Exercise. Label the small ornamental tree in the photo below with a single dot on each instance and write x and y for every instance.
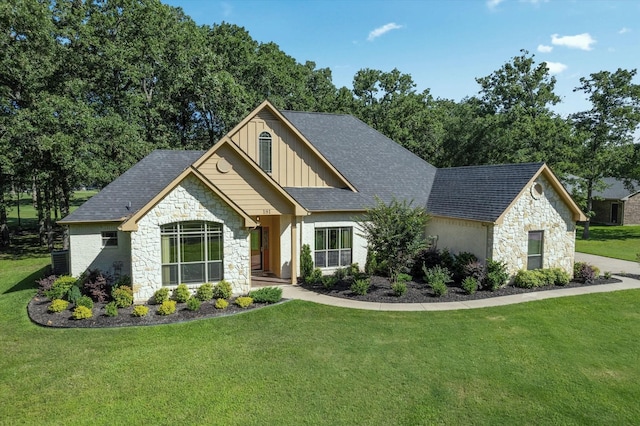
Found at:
(395, 233)
(306, 262)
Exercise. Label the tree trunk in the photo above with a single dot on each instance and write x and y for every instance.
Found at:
(64, 211)
(585, 231)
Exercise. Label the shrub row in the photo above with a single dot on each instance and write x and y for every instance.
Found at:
(541, 277)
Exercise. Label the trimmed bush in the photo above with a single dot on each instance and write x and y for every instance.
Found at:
(140, 311)
(58, 305)
(470, 285)
(123, 296)
(477, 270)
(361, 287)
(561, 278)
(437, 274)
(205, 292)
(111, 309)
(244, 301)
(403, 278)
(497, 275)
(82, 312)
(607, 275)
(96, 285)
(60, 287)
(352, 270)
(529, 279)
(221, 304)
(584, 272)
(161, 295)
(45, 284)
(329, 282)
(339, 274)
(181, 293)
(399, 288)
(306, 262)
(74, 294)
(439, 288)
(461, 261)
(168, 307)
(315, 277)
(84, 301)
(267, 295)
(222, 290)
(426, 258)
(193, 303)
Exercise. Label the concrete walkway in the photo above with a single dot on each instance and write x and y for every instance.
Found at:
(605, 264)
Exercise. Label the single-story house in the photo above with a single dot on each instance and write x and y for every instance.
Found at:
(282, 179)
(617, 203)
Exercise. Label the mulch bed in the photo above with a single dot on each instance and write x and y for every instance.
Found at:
(419, 292)
(37, 310)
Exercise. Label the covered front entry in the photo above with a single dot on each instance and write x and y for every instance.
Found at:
(265, 247)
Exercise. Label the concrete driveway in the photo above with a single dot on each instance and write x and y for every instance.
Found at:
(607, 264)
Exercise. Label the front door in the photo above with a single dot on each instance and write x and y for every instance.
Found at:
(614, 212)
(256, 249)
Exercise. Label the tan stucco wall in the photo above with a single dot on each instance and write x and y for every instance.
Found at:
(548, 213)
(85, 241)
(460, 235)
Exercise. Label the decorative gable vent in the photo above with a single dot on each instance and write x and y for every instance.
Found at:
(537, 190)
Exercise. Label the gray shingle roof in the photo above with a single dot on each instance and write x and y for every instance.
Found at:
(137, 186)
(374, 164)
(478, 192)
(617, 190)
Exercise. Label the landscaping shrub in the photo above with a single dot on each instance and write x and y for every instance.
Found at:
(476, 270)
(607, 275)
(82, 312)
(584, 273)
(181, 293)
(529, 279)
(111, 309)
(447, 260)
(168, 307)
(306, 262)
(315, 277)
(470, 285)
(352, 270)
(45, 284)
(461, 260)
(267, 295)
(361, 286)
(84, 301)
(123, 280)
(497, 275)
(339, 274)
(329, 281)
(140, 311)
(161, 295)
(244, 301)
(205, 292)
(548, 276)
(561, 277)
(437, 274)
(96, 285)
(58, 305)
(221, 304)
(123, 296)
(193, 303)
(74, 294)
(60, 287)
(439, 288)
(403, 278)
(425, 258)
(399, 288)
(371, 266)
(222, 290)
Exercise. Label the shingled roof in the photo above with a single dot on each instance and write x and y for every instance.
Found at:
(135, 187)
(374, 164)
(616, 189)
(479, 193)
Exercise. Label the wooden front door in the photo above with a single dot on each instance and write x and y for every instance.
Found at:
(256, 249)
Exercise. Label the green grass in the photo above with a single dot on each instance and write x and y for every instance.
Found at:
(28, 215)
(563, 361)
(619, 242)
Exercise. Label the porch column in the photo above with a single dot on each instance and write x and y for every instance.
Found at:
(294, 250)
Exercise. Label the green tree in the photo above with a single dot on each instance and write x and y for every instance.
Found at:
(395, 233)
(606, 130)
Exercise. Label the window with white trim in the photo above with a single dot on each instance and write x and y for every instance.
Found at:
(535, 249)
(109, 238)
(264, 151)
(333, 247)
(191, 252)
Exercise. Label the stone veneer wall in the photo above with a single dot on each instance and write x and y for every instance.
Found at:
(548, 213)
(632, 210)
(190, 200)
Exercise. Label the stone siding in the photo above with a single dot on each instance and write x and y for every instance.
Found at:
(632, 210)
(190, 200)
(548, 213)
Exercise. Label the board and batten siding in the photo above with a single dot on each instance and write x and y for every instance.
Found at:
(294, 164)
(85, 241)
(250, 191)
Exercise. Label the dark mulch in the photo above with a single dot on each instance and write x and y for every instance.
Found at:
(38, 313)
(419, 292)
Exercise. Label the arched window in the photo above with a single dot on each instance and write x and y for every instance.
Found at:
(191, 252)
(264, 151)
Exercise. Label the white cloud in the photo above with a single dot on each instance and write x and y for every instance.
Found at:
(383, 30)
(544, 49)
(555, 67)
(492, 4)
(624, 30)
(580, 41)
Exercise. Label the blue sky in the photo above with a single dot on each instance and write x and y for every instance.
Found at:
(443, 45)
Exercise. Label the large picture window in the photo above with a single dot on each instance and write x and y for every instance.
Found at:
(264, 151)
(333, 247)
(191, 252)
(535, 247)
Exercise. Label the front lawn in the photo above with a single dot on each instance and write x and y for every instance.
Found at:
(561, 361)
(619, 242)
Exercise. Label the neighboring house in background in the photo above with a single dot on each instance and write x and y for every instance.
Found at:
(617, 204)
(281, 179)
